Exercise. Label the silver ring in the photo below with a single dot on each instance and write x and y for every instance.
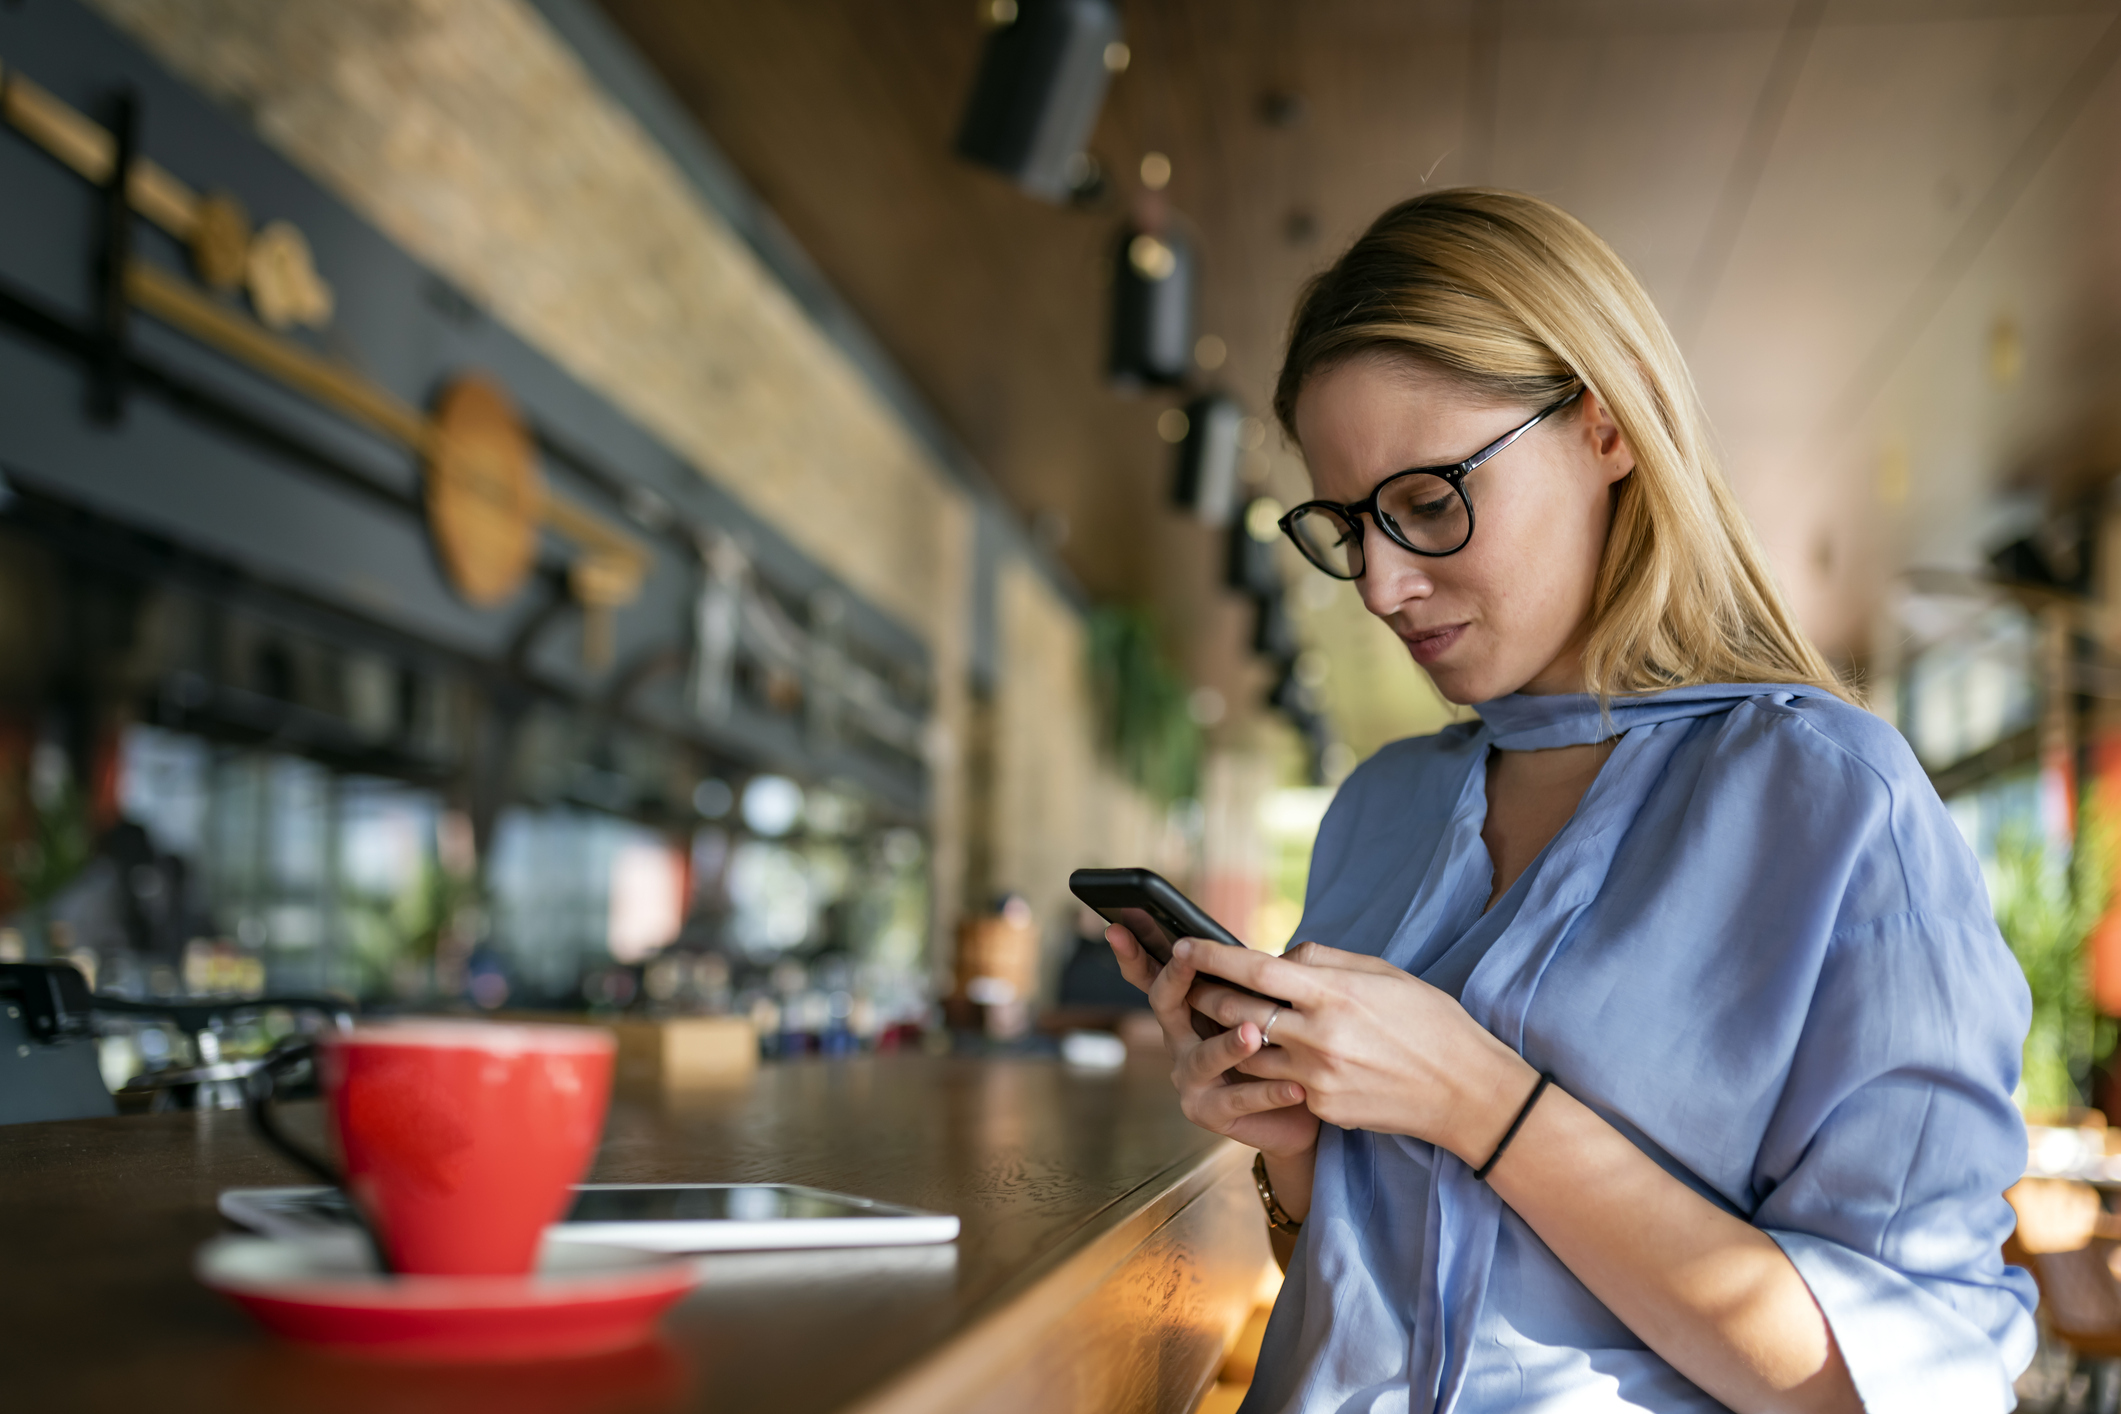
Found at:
(1268, 1029)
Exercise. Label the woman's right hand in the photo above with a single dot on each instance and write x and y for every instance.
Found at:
(1268, 1115)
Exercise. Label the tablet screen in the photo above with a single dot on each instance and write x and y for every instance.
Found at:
(308, 1209)
(734, 1202)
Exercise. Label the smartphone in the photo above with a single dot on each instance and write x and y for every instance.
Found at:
(1150, 907)
(656, 1217)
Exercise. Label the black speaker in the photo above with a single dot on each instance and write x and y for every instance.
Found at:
(1206, 483)
(1152, 308)
(1041, 81)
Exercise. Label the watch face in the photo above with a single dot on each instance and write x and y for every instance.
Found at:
(1277, 1216)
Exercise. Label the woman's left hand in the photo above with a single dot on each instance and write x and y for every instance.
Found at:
(1374, 1047)
(1377, 1049)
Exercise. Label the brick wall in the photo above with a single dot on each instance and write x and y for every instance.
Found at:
(471, 134)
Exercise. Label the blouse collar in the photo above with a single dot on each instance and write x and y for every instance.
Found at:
(1528, 722)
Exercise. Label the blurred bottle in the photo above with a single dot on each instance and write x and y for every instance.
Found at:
(711, 983)
(997, 971)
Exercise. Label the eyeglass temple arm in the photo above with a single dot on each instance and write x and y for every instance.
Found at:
(1480, 458)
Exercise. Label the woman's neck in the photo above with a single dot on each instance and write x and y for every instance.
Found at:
(1564, 673)
(1531, 795)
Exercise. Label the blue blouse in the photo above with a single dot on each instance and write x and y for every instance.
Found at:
(1762, 951)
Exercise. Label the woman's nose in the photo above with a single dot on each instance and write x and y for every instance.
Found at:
(1391, 576)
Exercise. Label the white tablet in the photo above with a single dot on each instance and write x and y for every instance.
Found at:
(657, 1217)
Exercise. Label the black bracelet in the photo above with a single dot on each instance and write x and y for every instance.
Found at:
(1516, 1124)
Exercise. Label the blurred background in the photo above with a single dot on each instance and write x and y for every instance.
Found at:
(717, 508)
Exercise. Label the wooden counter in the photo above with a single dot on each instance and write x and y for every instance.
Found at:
(1108, 1250)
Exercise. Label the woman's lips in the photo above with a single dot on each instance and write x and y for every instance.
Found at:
(1430, 644)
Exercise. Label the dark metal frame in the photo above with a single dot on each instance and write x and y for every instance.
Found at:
(1454, 475)
(49, 1006)
(207, 415)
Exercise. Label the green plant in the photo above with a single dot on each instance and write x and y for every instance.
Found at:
(57, 849)
(2046, 908)
(385, 930)
(46, 838)
(1143, 715)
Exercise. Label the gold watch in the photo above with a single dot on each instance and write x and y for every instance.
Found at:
(1277, 1216)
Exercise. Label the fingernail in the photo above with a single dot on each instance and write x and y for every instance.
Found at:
(1291, 1093)
(1181, 948)
(1249, 1034)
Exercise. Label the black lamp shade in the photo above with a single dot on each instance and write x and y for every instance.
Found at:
(1041, 81)
(1152, 309)
(1206, 483)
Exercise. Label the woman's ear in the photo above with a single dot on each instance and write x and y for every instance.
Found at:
(1602, 436)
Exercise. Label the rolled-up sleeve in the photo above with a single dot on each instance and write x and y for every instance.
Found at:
(1882, 1172)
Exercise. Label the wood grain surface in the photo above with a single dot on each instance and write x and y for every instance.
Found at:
(1108, 1250)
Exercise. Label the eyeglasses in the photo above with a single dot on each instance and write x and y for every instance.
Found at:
(1424, 509)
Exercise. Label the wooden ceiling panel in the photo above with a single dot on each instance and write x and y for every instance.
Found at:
(1637, 115)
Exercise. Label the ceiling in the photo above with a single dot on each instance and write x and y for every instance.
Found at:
(1880, 228)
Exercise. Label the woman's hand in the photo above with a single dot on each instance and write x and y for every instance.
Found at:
(1372, 1047)
(1267, 1115)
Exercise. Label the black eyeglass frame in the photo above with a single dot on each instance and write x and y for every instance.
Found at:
(1455, 475)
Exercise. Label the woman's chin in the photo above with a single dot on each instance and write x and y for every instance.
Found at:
(1466, 676)
(1457, 686)
(1470, 684)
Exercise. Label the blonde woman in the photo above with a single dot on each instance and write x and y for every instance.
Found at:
(1651, 1046)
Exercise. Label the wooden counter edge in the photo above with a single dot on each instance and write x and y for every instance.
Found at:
(957, 1373)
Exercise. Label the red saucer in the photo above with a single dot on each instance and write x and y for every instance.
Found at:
(583, 1299)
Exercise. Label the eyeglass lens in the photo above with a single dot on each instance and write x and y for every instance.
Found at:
(1426, 512)
(1421, 511)
(1328, 541)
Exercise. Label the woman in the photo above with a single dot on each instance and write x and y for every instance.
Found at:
(1652, 1047)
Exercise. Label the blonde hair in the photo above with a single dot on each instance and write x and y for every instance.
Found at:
(1516, 299)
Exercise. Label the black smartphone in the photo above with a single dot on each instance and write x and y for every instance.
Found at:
(1150, 907)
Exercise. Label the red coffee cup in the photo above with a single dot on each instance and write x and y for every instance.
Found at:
(461, 1140)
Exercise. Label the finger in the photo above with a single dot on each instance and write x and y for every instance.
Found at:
(1135, 964)
(1224, 1105)
(1205, 1063)
(1232, 1007)
(1319, 955)
(1293, 982)
(1167, 998)
(1268, 1063)
(1248, 1057)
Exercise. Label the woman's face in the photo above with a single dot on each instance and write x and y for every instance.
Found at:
(1510, 611)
